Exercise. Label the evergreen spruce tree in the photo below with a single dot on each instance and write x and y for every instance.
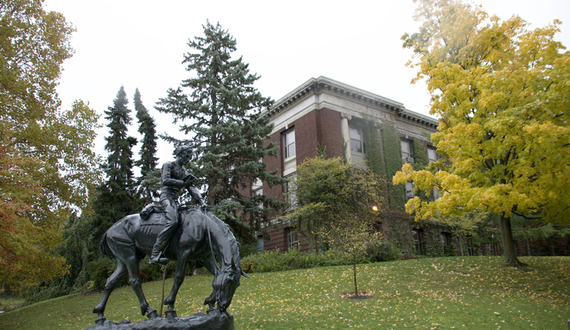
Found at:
(116, 196)
(149, 180)
(220, 117)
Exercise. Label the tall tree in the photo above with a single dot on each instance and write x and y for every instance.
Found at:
(149, 180)
(116, 196)
(229, 137)
(44, 146)
(501, 92)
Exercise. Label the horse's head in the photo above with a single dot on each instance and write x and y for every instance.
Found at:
(225, 284)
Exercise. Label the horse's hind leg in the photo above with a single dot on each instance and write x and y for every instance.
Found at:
(112, 282)
(132, 264)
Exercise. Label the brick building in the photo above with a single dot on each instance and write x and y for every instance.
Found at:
(326, 112)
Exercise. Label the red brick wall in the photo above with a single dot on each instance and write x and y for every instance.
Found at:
(306, 136)
(329, 132)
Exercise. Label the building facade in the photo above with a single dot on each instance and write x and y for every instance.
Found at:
(325, 112)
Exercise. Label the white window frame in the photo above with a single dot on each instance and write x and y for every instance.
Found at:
(406, 155)
(292, 238)
(289, 145)
(291, 190)
(355, 134)
(432, 159)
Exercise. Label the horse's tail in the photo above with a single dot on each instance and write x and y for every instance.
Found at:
(104, 246)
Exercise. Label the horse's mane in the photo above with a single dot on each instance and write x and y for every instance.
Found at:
(225, 228)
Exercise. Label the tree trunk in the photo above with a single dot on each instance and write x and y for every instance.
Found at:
(508, 243)
(354, 271)
(483, 245)
(460, 244)
(551, 246)
(528, 247)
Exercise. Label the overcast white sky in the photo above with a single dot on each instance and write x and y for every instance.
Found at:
(140, 44)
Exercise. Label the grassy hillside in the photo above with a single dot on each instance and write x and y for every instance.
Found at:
(434, 293)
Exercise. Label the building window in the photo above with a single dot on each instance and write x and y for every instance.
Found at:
(289, 143)
(356, 140)
(410, 190)
(260, 243)
(417, 236)
(445, 239)
(406, 151)
(258, 192)
(292, 238)
(291, 190)
(436, 194)
(432, 155)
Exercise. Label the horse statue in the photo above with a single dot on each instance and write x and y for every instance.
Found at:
(200, 237)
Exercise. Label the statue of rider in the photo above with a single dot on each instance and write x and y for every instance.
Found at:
(174, 178)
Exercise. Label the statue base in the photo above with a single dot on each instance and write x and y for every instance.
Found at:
(215, 320)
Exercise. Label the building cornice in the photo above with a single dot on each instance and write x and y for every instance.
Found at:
(317, 85)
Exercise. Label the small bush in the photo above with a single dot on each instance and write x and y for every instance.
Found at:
(385, 252)
(274, 260)
(100, 270)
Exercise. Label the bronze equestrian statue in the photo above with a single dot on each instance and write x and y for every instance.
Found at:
(198, 236)
(174, 178)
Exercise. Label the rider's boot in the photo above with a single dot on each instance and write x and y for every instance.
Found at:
(155, 257)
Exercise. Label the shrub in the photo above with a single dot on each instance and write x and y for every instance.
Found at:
(274, 260)
(385, 252)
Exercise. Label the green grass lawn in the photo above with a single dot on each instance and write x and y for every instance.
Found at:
(434, 293)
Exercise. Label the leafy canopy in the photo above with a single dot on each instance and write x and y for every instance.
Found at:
(329, 193)
(501, 92)
(49, 168)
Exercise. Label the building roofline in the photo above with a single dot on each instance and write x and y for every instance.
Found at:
(314, 84)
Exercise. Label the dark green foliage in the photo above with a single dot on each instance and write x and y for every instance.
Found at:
(385, 252)
(274, 261)
(374, 153)
(116, 196)
(149, 181)
(220, 115)
(396, 196)
(421, 160)
(396, 229)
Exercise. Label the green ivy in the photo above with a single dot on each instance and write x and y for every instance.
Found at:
(393, 160)
(421, 160)
(374, 149)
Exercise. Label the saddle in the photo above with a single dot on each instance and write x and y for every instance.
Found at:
(151, 208)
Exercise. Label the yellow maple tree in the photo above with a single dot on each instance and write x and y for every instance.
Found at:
(502, 94)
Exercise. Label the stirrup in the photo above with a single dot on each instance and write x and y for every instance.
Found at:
(158, 260)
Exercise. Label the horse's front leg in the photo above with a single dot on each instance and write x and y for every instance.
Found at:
(178, 280)
(211, 266)
(110, 285)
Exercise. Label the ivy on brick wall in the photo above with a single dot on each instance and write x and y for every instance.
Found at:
(383, 157)
(374, 149)
(393, 159)
(421, 160)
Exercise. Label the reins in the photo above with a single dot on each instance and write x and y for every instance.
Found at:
(210, 241)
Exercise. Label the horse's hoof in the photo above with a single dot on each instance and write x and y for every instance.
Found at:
(100, 319)
(152, 314)
(171, 313)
